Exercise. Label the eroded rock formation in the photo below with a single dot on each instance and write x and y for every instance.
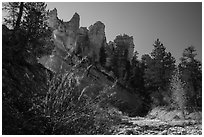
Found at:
(97, 38)
(82, 43)
(64, 37)
(124, 44)
(64, 33)
(69, 39)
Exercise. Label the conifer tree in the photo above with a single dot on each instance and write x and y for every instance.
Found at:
(31, 34)
(191, 71)
(136, 79)
(159, 66)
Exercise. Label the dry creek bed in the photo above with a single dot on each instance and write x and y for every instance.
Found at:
(148, 126)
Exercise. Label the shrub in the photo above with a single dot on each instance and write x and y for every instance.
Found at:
(70, 112)
(178, 95)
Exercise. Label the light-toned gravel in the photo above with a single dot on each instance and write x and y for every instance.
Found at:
(146, 126)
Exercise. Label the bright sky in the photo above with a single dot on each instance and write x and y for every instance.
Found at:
(177, 25)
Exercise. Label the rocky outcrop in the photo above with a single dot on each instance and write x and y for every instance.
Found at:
(64, 37)
(89, 42)
(53, 20)
(69, 39)
(125, 43)
(71, 29)
(64, 33)
(109, 51)
(82, 43)
(97, 38)
(119, 55)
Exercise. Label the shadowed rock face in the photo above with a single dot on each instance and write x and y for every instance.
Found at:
(82, 43)
(96, 36)
(71, 29)
(123, 43)
(89, 42)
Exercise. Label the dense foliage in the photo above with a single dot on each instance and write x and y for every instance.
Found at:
(191, 71)
(157, 72)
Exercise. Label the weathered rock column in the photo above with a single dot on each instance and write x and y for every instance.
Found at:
(64, 37)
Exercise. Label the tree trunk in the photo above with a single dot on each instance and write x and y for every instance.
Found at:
(19, 16)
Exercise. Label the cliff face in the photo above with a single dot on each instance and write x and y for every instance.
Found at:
(53, 21)
(82, 43)
(119, 55)
(69, 38)
(97, 38)
(125, 44)
(64, 37)
(71, 28)
(64, 33)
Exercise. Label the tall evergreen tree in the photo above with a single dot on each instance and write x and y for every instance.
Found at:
(192, 76)
(31, 34)
(37, 32)
(136, 79)
(159, 67)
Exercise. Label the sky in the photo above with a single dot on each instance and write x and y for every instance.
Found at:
(177, 25)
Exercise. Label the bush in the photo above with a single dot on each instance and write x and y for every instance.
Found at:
(58, 107)
(178, 95)
(71, 112)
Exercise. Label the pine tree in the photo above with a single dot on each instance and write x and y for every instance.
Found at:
(192, 76)
(159, 66)
(37, 32)
(136, 80)
(31, 34)
(158, 69)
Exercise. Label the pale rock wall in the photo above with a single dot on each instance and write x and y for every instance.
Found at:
(96, 36)
(64, 36)
(64, 33)
(82, 43)
(68, 36)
